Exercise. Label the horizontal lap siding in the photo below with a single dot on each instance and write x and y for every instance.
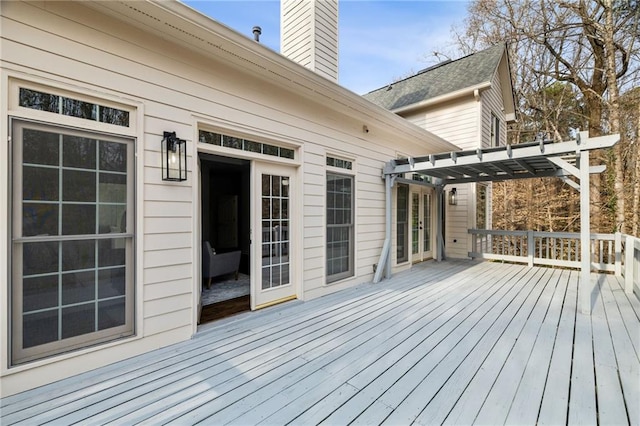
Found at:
(296, 38)
(326, 41)
(492, 103)
(458, 122)
(78, 48)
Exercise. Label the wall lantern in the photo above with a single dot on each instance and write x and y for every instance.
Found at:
(174, 157)
(453, 197)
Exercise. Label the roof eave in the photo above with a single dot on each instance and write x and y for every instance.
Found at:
(180, 23)
(467, 91)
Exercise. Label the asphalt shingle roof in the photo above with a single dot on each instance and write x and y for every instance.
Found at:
(443, 78)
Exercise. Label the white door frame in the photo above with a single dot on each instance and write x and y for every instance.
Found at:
(261, 298)
(418, 252)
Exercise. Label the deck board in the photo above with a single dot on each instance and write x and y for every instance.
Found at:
(611, 409)
(582, 398)
(528, 397)
(453, 342)
(555, 399)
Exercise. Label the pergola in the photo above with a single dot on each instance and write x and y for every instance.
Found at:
(568, 161)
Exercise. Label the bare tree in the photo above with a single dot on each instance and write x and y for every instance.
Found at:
(589, 45)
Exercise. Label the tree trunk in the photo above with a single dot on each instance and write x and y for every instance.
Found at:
(614, 114)
(636, 186)
(594, 108)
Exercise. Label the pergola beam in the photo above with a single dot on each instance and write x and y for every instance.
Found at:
(432, 162)
(495, 164)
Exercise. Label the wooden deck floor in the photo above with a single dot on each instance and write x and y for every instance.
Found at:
(450, 342)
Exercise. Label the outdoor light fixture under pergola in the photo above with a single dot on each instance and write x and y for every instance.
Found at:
(453, 197)
(174, 158)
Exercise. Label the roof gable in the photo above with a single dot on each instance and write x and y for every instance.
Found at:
(441, 79)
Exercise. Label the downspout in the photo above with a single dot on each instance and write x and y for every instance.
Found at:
(384, 263)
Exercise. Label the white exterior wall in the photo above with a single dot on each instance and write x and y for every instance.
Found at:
(492, 103)
(75, 49)
(465, 122)
(309, 34)
(459, 122)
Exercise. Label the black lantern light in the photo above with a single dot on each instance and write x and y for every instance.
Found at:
(453, 197)
(174, 157)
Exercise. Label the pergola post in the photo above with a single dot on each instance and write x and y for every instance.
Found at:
(585, 236)
(384, 263)
(439, 217)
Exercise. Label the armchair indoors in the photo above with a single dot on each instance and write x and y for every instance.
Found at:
(214, 265)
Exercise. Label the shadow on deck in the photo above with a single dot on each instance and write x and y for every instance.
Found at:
(453, 342)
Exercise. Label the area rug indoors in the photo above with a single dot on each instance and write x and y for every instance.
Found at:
(225, 288)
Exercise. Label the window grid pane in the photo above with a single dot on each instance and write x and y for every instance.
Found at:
(41, 101)
(415, 223)
(73, 287)
(275, 231)
(245, 145)
(402, 224)
(427, 222)
(339, 226)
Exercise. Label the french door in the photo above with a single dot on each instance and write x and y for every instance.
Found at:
(273, 223)
(421, 224)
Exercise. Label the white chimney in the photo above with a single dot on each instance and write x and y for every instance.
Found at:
(309, 34)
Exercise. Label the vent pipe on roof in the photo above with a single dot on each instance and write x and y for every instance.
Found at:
(256, 33)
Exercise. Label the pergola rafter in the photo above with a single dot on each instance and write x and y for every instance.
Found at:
(565, 160)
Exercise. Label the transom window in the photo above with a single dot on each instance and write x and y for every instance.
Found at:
(244, 144)
(339, 163)
(72, 239)
(56, 104)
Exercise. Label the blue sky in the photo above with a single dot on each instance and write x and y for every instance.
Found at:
(379, 40)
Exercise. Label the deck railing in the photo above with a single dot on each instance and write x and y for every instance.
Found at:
(617, 253)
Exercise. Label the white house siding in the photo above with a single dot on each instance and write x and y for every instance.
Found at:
(310, 34)
(492, 103)
(297, 31)
(71, 47)
(326, 43)
(457, 121)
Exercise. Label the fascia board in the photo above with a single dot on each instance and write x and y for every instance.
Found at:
(467, 91)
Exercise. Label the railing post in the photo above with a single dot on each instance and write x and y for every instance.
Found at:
(586, 286)
(628, 264)
(617, 248)
(531, 247)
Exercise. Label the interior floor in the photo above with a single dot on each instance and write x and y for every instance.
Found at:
(224, 309)
(225, 198)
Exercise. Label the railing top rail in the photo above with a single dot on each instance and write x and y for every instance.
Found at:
(542, 234)
(496, 232)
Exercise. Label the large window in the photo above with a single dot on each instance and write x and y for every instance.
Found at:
(402, 224)
(72, 239)
(340, 232)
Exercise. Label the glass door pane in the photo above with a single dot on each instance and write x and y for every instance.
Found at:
(415, 223)
(426, 246)
(275, 231)
(273, 221)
